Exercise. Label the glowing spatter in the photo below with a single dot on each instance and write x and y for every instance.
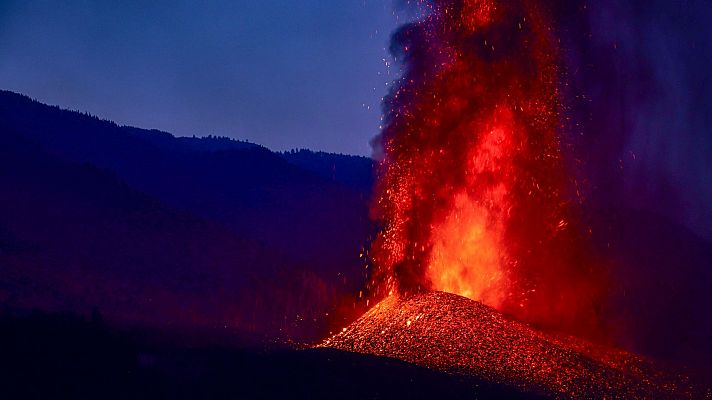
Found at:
(452, 334)
(471, 189)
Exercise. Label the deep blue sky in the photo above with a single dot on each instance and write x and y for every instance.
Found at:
(282, 73)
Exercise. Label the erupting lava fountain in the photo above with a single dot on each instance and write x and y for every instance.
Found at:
(475, 199)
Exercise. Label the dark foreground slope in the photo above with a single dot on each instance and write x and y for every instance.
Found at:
(63, 357)
(451, 333)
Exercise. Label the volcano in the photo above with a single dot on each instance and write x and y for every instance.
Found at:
(454, 334)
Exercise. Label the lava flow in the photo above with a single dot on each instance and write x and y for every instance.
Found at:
(472, 190)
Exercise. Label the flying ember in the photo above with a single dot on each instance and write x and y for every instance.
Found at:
(473, 192)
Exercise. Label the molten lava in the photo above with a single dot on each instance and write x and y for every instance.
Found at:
(472, 190)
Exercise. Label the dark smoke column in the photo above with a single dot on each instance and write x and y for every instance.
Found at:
(472, 191)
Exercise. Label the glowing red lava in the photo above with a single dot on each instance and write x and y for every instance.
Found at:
(472, 190)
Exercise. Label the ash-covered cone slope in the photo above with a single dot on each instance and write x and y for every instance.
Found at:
(454, 334)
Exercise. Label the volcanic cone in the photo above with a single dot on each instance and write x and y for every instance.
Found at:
(457, 335)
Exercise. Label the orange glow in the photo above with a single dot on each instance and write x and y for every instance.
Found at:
(472, 190)
(467, 254)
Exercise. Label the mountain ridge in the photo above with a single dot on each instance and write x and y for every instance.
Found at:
(91, 207)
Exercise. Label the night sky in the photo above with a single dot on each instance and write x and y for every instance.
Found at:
(281, 73)
(311, 74)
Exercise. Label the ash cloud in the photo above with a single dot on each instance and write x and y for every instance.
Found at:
(638, 100)
(645, 133)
